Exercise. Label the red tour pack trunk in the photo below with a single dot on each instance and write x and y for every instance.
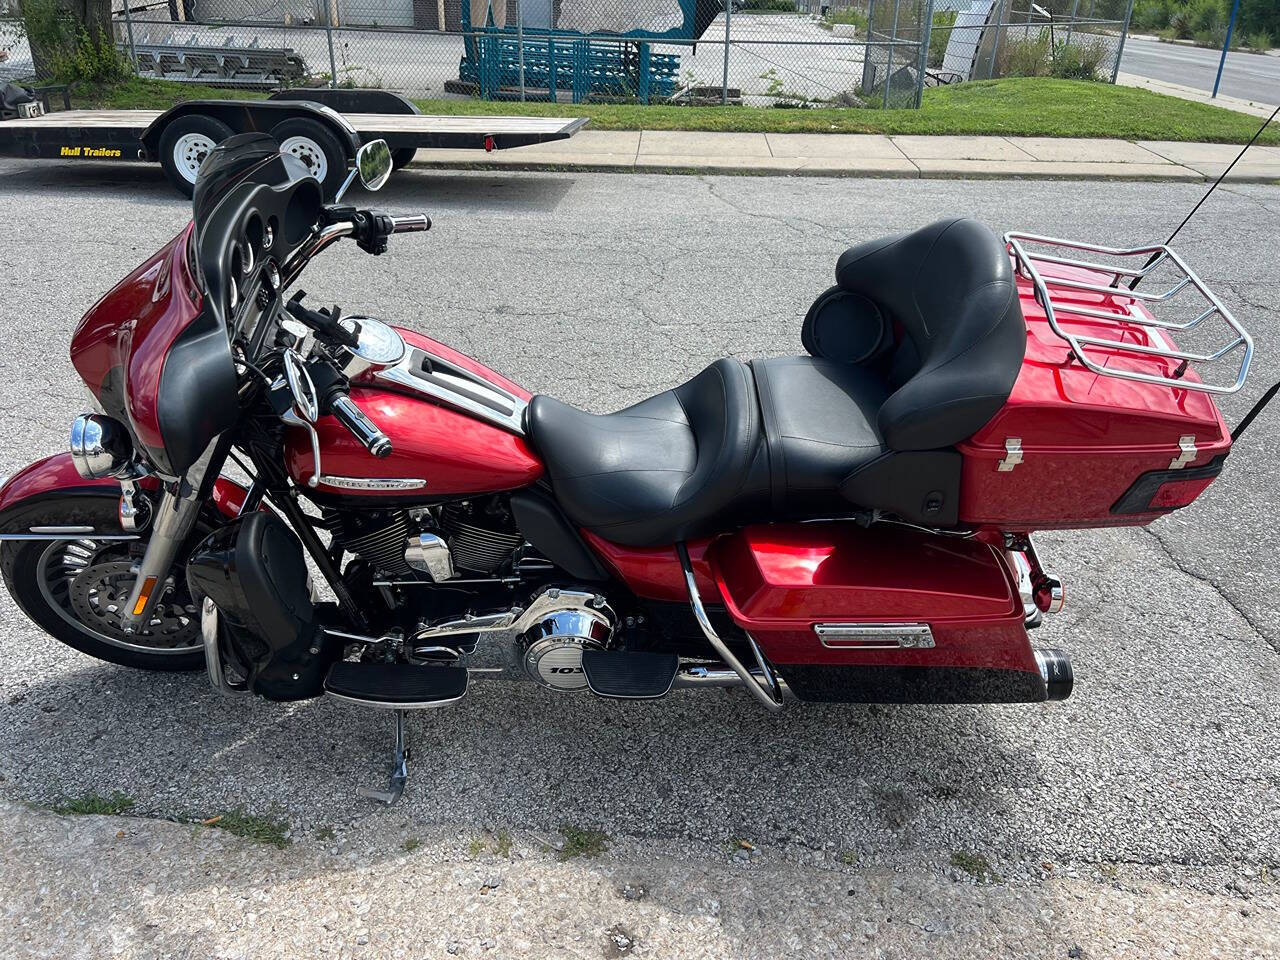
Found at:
(1110, 421)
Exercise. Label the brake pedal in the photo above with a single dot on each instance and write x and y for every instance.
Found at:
(629, 674)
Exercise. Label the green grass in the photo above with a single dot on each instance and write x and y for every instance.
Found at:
(139, 94)
(976, 865)
(580, 842)
(1039, 106)
(92, 804)
(1033, 107)
(252, 827)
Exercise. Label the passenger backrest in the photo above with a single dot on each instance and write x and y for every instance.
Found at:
(949, 288)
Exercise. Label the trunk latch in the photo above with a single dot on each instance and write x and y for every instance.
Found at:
(1012, 454)
(1188, 452)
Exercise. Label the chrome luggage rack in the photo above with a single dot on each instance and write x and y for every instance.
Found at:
(1038, 267)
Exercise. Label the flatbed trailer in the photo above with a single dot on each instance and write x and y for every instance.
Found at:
(305, 122)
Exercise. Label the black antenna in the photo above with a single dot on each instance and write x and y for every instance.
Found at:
(1208, 193)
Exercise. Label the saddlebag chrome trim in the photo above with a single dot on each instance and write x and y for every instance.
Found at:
(875, 636)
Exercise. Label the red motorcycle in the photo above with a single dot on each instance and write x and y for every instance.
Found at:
(851, 526)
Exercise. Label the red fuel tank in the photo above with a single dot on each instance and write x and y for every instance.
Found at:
(436, 451)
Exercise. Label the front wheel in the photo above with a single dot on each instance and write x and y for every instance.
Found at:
(77, 590)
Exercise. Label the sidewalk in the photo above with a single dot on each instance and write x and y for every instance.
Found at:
(870, 155)
(1183, 92)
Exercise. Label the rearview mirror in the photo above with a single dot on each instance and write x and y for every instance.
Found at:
(373, 163)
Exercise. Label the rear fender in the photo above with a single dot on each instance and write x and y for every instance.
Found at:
(22, 495)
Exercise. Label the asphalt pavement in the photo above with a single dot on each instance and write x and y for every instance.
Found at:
(601, 290)
(1250, 76)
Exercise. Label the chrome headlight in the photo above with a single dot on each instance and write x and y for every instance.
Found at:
(100, 446)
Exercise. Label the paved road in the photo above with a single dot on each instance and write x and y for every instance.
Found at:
(1247, 75)
(602, 289)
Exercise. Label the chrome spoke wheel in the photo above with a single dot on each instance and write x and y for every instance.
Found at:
(88, 585)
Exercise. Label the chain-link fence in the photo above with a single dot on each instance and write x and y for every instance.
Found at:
(1069, 39)
(772, 53)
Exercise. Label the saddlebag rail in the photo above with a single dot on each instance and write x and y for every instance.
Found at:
(1110, 327)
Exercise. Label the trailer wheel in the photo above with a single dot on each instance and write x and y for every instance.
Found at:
(184, 145)
(315, 146)
(402, 157)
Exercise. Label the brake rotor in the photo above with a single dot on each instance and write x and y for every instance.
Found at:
(99, 596)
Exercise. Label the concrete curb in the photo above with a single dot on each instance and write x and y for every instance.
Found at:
(1029, 172)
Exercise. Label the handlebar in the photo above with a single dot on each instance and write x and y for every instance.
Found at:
(362, 428)
(411, 224)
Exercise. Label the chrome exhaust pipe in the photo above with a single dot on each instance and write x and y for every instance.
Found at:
(696, 677)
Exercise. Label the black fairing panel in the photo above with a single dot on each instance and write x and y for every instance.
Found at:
(253, 570)
(197, 394)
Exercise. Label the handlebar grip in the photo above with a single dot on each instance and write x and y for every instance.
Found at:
(411, 224)
(361, 427)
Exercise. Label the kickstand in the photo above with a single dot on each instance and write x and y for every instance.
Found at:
(399, 769)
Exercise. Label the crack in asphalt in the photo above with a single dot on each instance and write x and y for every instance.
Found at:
(1254, 625)
(823, 229)
(1252, 199)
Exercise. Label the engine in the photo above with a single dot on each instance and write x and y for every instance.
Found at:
(474, 540)
(481, 536)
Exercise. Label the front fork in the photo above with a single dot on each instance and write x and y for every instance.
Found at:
(173, 519)
(175, 515)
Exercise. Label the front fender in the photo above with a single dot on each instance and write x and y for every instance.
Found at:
(56, 476)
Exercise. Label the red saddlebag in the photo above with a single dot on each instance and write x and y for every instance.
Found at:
(880, 615)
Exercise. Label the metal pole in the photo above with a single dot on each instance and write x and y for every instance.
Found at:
(1075, 7)
(893, 40)
(724, 83)
(1226, 45)
(995, 47)
(924, 51)
(328, 29)
(520, 43)
(1128, 16)
(128, 22)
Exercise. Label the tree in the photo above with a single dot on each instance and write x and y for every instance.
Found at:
(71, 39)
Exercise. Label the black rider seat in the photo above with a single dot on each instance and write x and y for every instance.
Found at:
(914, 350)
(658, 471)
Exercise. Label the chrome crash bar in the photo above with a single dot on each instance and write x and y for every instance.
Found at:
(766, 688)
(1040, 267)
